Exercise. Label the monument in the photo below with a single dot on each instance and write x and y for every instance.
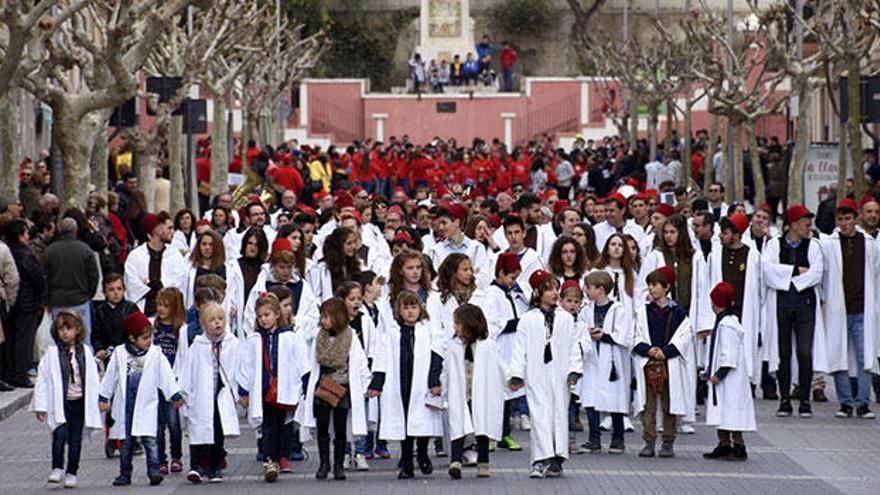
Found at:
(445, 29)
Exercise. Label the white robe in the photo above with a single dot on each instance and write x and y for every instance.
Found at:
(778, 277)
(157, 376)
(841, 353)
(137, 269)
(306, 316)
(440, 315)
(604, 230)
(197, 381)
(358, 380)
(485, 416)
(546, 384)
(236, 299)
(679, 385)
(49, 390)
(595, 388)
(321, 282)
(183, 246)
(291, 367)
(232, 241)
(530, 261)
(421, 421)
(735, 409)
(498, 311)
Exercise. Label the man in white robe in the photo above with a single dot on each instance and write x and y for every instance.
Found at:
(615, 222)
(154, 265)
(529, 260)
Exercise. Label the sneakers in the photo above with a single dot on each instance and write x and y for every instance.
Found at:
(56, 475)
(525, 424)
(686, 429)
(194, 476)
(591, 448)
(69, 480)
(864, 413)
(347, 462)
(156, 479)
(163, 468)
(455, 470)
(297, 456)
(383, 453)
(122, 480)
(647, 450)
(616, 447)
(215, 477)
(284, 465)
(575, 449)
(805, 411)
(110, 448)
(483, 470)
(666, 450)
(369, 455)
(554, 469)
(406, 473)
(605, 425)
(845, 411)
(785, 410)
(507, 442)
(360, 463)
(176, 466)
(719, 452)
(738, 454)
(628, 425)
(469, 458)
(426, 467)
(439, 449)
(270, 472)
(537, 470)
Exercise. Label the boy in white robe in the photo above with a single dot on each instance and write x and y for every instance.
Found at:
(729, 405)
(547, 361)
(137, 372)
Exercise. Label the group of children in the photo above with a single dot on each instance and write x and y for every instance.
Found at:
(387, 373)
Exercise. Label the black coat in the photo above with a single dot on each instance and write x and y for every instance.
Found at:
(32, 284)
(108, 328)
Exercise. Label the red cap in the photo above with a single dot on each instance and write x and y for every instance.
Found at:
(668, 273)
(398, 190)
(403, 237)
(867, 198)
(135, 323)
(307, 209)
(665, 209)
(149, 222)
(356, 190)
(344, 200)
(396, 210)
(538, 278)
(548, 194)
(640, 196)
(795, 213)
(740, 221)
(722, 295)
(494, 219)
(652, 193)
(320, 195)
(847, 204)
(456, 209)
(570, 284)
(352, 214)
(203, 221)
(616, 197)
(632, 181)
(282, 244)
(559, 206)
(764, 206)
(508, 263)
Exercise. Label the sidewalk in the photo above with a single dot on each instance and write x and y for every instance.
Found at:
(11, 402)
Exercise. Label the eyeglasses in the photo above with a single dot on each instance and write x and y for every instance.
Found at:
(714, 189)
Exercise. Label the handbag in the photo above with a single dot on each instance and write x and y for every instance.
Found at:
(272, 392)
(329, 391)
(656, 372)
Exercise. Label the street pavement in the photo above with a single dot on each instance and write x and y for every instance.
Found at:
(822, 455)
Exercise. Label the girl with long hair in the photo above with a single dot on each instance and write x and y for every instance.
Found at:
(585, 236)
(672, 248)
(455, 286)
(617, 261)
(567, 260)
(184, 239)
(338, 264)
(209, 256)
(409, 271)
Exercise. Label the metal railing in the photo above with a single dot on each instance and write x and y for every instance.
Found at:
(343, 124)
(562, 115)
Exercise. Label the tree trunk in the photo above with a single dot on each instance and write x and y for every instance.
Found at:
(147, 156)
(755, 161)
(9, 166)
(100, 157)
(175, 163)
(853, 124)
(737, 165)
(667, 137)
(219, 158)
(75, 137)
(265, 127)
(653, 122)
(709, 162)
(633, 120)
(801, 146)
(686, 150)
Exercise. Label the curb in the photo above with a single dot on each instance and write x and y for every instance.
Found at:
(22, 399)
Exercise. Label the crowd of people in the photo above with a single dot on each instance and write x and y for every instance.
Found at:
(432, 295)
(475, 69)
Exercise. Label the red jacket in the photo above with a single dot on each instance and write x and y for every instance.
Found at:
(508, 57)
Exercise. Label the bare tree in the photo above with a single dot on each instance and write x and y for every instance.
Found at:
(24, 25)
(89, 66)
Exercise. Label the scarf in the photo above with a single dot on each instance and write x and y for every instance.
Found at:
(134, 351)
(332, 348)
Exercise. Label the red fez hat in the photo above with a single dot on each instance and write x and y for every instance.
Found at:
(559, 206)
(282, 244)
(135, 323)
(538, 278)
(149, 222)
(847, 204)
(617, 197)
(665, 209)
(740, 221)
(795, 213)
(570, 284)
(722, 295)
(508, 263)
(203, 221)
(867, 198)
(403, 237)
(668, 273)
(456, 210)
(396, 210)
(344, 200)
(320, 195)
(764, 206)
(494, 219)
(652, 193)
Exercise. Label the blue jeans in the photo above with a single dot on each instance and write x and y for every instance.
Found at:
(69, 433)
(169, 417)
(855, 329)
(596, 434)
(573, 408)
(366, 443)
(508, 80)
(521, 404)
(84, 310)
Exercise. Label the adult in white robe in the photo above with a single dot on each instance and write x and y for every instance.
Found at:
(197, 382)
(546, 384)
(137, 272)
(50, 391)
(156, 376)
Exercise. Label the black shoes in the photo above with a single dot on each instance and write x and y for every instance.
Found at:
(425, 466)
(785, 410)
(5, 387)
(738, 453)
(805, 411)
(720, 452)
